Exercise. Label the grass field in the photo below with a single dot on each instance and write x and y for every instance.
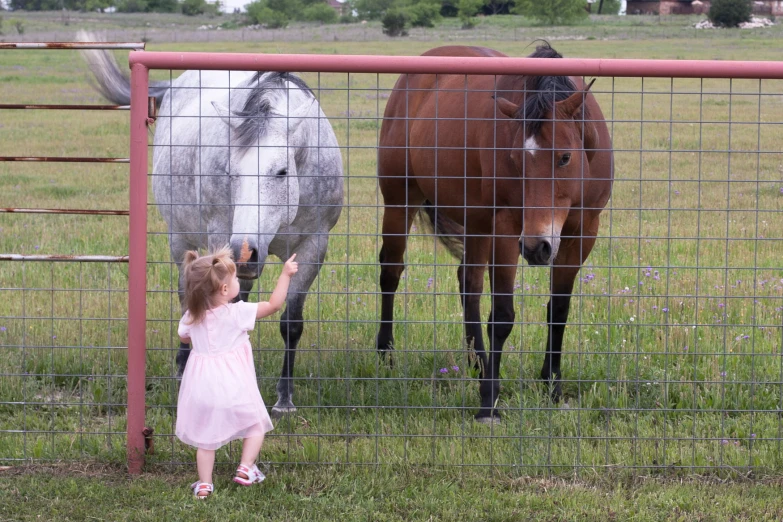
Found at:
(672, 358)
(88, 492)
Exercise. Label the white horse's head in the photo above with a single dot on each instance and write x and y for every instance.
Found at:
(269, 136)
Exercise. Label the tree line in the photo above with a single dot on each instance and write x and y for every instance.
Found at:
(188, 7)
(398, 14)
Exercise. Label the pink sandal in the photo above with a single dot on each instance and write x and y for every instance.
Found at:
(251, 475)
(202, 490)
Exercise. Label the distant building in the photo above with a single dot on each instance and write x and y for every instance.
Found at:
(340, 6)
(674, 7)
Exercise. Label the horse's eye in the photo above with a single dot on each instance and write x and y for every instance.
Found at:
(565, 159)
(282, 172)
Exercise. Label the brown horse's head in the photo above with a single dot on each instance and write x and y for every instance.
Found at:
(552, 148)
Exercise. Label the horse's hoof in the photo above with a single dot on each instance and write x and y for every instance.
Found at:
(387, 357)
(489, 421)
(490, 417)
(281, 411)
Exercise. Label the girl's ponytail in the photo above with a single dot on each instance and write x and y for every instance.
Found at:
(203, 276)
(190, 256)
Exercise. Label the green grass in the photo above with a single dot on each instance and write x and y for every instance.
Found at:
(84, 492)
(693, 389)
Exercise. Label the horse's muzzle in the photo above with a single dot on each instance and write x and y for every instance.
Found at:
(247, 260)
(539, 255)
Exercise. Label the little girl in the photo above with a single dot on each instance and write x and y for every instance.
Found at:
(219, 399)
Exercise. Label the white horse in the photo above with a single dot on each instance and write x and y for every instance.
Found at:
(247, 159)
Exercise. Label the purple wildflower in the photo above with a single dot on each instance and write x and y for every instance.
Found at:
(444, 370)
(455, 368)
(723, 374)
(724, 442)
(3, 328)
(429, 282)
(665, 310)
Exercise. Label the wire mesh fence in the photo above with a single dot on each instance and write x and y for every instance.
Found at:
(671, 355)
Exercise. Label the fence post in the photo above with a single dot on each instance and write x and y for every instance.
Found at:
(137, 271)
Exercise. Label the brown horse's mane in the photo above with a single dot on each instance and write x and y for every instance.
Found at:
(541, 92)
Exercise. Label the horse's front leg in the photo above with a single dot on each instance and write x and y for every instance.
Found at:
(502, 270)
(184, 348)
(310, 257)
(573, 252)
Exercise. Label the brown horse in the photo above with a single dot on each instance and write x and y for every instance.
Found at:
(501, 165)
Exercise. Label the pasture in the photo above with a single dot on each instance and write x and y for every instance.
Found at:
(672, 357)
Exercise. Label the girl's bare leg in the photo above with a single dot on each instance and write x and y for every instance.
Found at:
(205, 461)
(251, 447)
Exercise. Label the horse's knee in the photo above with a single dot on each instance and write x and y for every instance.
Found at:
(500, 323)
(291, 329)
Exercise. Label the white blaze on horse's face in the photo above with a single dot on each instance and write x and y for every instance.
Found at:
(265, 189)
(546, 205)
(531, 145)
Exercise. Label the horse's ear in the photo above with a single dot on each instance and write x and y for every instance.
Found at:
(575, 107)
(568, 108)
(506, 107)
(223, 113)
(587, 128)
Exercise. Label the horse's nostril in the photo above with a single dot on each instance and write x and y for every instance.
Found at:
(253, 256)
(544, 251)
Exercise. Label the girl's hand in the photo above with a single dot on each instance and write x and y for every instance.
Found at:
(290, 267)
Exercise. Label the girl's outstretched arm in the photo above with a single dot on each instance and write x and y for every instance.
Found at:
(277, 299)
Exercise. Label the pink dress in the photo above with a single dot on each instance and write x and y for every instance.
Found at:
(219, 399)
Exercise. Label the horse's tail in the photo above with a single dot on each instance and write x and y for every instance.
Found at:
(110, 81)
(450, 233)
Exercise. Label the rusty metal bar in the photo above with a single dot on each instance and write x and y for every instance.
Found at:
(73, 45)
(66, 107)
(57, 159)
(57, 257)
(63, 211)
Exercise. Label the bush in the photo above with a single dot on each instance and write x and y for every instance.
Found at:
(394, 23)
(730, 13)
(194, 7)
(423, 15)
(320, 13)
(467, 11)
(259, 13)
(348, 19)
